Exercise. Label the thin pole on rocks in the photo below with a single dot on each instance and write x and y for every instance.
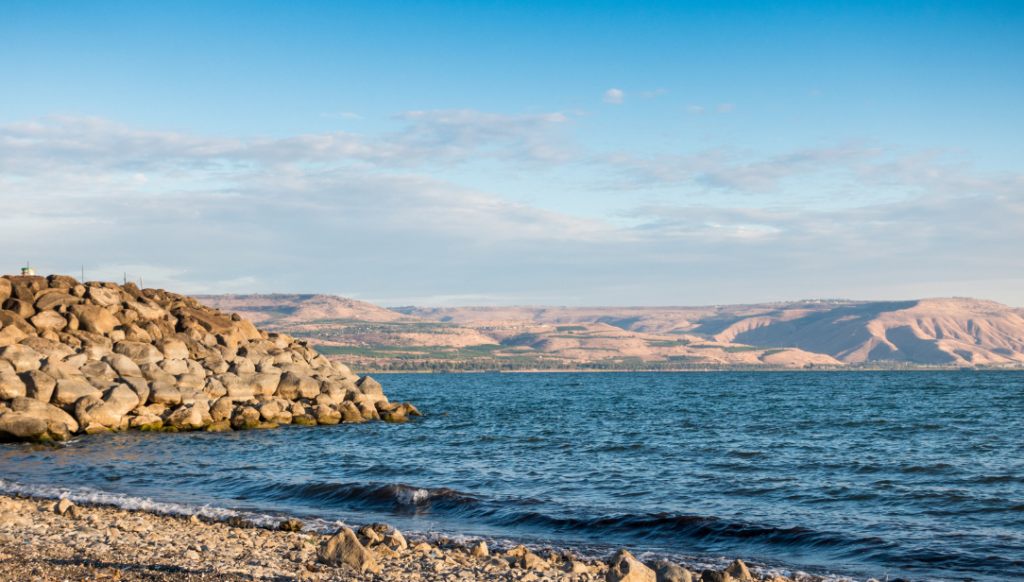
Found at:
(126, 278)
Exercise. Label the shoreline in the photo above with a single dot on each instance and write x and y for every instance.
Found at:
(59, 538)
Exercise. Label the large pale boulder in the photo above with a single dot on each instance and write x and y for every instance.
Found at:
(121, 399)
(293, 386)
(138, 352)
(185, 418)
(123, 366)
(738, 571)
(15, 427)
(53, 301)
(20, 307)
(92, 410)
(98, 369)
(139, 386)
(69, 392)
(173, 348)
(371, 388)
(5, 289)
(343, 548)
(154, 373)
(173, 367)
(38, 385)
(47, 412)
(11, 386)
(326, 415)
(103, 296)
(48, 347)
(623, 567)
(22, 357)
(164, 393)
(11, 335)
(146, 312)
(48, 321)
(265, 384)
(94, 319)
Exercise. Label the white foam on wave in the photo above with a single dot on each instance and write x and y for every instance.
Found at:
(411, 496)
(89, 495)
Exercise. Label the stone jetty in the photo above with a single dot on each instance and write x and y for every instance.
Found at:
(98, 357)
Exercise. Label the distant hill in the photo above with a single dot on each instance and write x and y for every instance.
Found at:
(833, 333)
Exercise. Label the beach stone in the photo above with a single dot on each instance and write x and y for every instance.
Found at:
(173, 367)
(22, 357)
(395, 540)
(11, 386)
(68, 392)
(45, 411)
(669, 572)
(134, 333)
(146, 312)
(63, 506)
(98, 369)
(344, 549)
(739, 571)
(145, 421)
(715, 576)
(95, 319)
(290, 525)
(139, 386)
(531, 561)
(138, 352)
(190, 382)
(155, 373)
(480, 550)
(38, 385)
(623, 567)
(221, 409)
(122, 365)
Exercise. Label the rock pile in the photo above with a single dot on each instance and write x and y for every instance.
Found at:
(98, 357)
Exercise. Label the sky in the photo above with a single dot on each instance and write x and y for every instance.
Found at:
(515, 153)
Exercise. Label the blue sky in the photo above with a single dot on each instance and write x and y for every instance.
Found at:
(489, 153)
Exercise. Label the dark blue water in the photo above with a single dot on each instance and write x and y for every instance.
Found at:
(913, 474)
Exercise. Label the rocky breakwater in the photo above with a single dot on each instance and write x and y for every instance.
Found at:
(99, 357)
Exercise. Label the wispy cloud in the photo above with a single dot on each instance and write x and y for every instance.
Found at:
(614, 96)
(649, 94)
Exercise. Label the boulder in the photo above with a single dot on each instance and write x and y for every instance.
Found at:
(293, 386)
(371, 388)
(11, 386)
(98, 369)
(164, 393)
(48, 320)
(139, 353)
(103, 296)
(92, 410)
(69, 392)
(669, 572)
(155, 373)
(48, 347)
(121, 399)
(5, 290)
(10, 336)
(190, 382)
(38, 385)
(146, 311)
(22, 357)
(185, 418)
(123, 366)
(139, 386)
(265, 384)
(173, 367)
(9, 318)
(44, 411)
(134, 333)
(531, 561)
(16, 427)
(173, 348)
(19, 307)
(221, 409)
(623, 567)
(95, 319)
(739, 571)
(245, 418)
(343, 548)
(242, 366)
(326, 415)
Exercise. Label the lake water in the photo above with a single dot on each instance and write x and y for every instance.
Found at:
(860, 474)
